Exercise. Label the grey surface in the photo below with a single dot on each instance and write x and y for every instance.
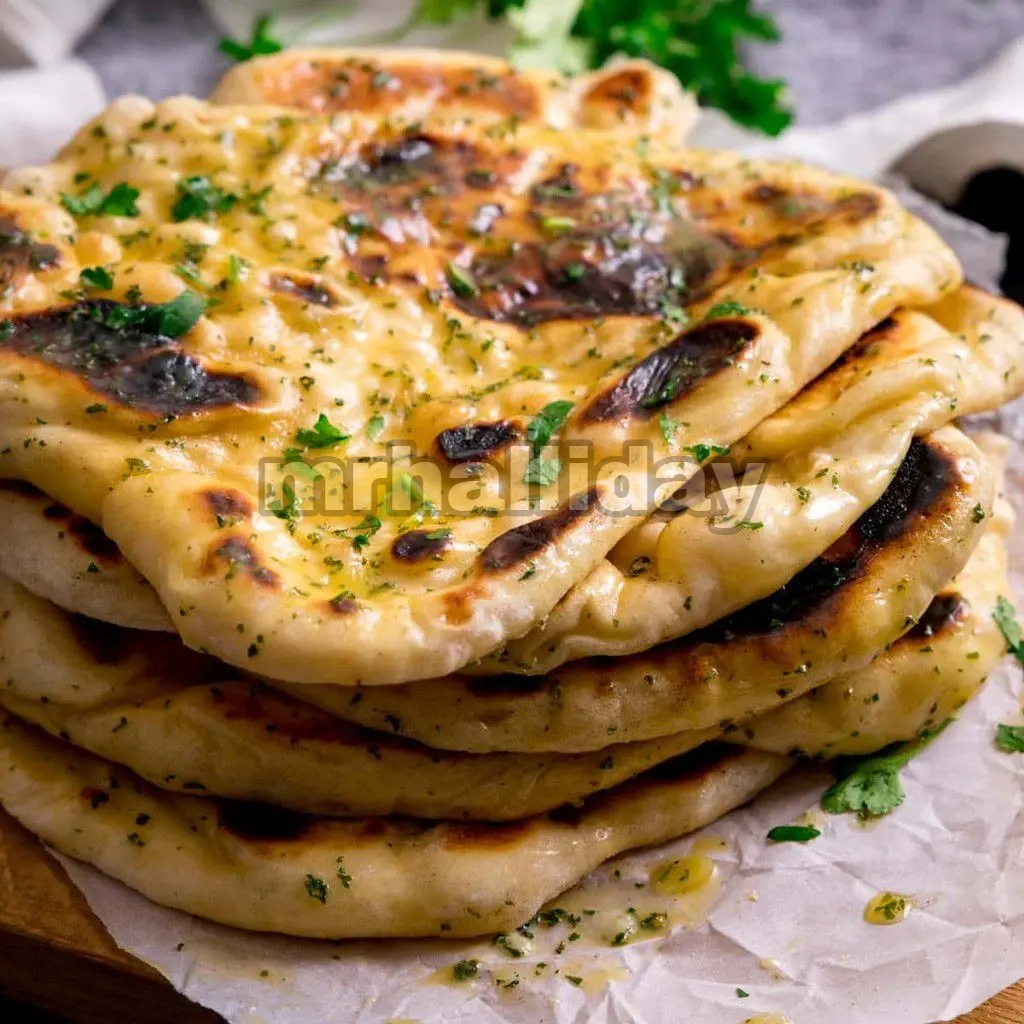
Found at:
(838, 56)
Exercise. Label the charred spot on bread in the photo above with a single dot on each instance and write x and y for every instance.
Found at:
(674, 370)
(20, 253)
(227, 505)
(420, 545)
(945, 611)
(474, 441)
(514, 548)
(239, 554)
(304, 287)
(918, 489)
(133, 366)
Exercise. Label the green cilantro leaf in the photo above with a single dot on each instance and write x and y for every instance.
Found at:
(170, 319)
(793, 834)
(702, 452)
(464, 970)
(543, 472)
(668, 426)
(199, 198)
(461, 281)
(722, 309)
(343, 876)
(118, 202)
(323, 435)
(260, 45)
(1005, 618)
(374, 426)
(873, 787)
(1010, 738)
(551, 418)
(317, 888)
(97, 278)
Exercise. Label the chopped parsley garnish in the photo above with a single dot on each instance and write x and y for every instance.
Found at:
(542, 472)
(465, 970)
(343, 876)
(550, 419)
(238, 269)
(461, 281)
(323, 435)
(317, 888)
(977, 513)
(747, 524)
(722, 309)
(199, 198)
(793, 834)
(873, 787)
(118, 202)
(97, 278)
(287, 506)
(740, 994)
(260, 45)
(703, 452)
(364, 531)
(170, 319)
(374, 426)
(1005, 619)
(669, 427)
(1010, 738)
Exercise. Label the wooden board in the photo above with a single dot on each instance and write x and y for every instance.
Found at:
(54, 953)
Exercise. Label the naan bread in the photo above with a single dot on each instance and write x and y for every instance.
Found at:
(832, 618)
(270, 870)
(363, 289)
(924, 678)
(58, 555)
(631, 96)
(804, 474)
(184, 723)
(829, 453)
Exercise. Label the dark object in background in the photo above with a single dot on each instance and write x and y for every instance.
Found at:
(19, 1013)
(994, 198)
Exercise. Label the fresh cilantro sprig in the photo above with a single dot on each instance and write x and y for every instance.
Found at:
(324, 434)
(540, 471)
(697, 40)
(1006, 619)
(1009, 738)
(261, 44)
(198, 198)
(169, 319)
(118, 202)
(793, 833)
(873, 788)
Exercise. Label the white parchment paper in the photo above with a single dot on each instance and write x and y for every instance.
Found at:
(787, 926)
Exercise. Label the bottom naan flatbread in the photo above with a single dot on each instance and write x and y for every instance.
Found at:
(263, 869)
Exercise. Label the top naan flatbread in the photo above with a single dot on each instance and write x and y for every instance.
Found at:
(373, 288)
(628, 96)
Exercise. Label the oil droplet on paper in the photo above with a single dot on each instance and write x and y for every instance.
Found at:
(768, 1018)
(683, 874)
(888, 908)
(590, 977)
(708, 845)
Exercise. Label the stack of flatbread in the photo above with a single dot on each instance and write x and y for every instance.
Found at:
(423, 481)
